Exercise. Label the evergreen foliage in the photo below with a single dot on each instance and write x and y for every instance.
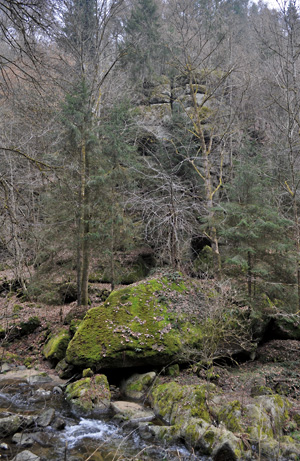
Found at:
(257, 236)
(143, 44)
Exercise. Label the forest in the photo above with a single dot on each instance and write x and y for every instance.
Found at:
(142, 134)
(149, 230)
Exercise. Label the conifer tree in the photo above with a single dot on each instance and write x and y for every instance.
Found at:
(257, 237)
(142, 45)
(85, 42)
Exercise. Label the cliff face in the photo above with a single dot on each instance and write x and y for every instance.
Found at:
(159, 100)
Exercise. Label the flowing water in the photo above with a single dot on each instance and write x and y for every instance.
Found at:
(83, 439)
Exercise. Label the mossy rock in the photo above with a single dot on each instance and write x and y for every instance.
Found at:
(90, 395)
(266, 417)
(135, 326)
(55, 348)
(22, 329)
(230, 415)
(87, 373)
(173, 370)
(186, 410)
(258, 390)
(176, 404)
(137, 386)
(191, 411)
(52, 292)
(286, 327)
(64, 369)
(76, 314)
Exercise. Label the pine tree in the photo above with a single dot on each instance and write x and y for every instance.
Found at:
(142, 47)
(257, 237)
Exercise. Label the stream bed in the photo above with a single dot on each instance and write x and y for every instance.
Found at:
(79, 438)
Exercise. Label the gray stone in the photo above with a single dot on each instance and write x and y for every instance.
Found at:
(40, 395)
(22, 440)
(38, 379)
(133, 412)
(26, 455)
(5, 367)
(64, 369)
(59, 423)
(45, 418)
(57, 390)
(224, 452)
(10, 425)
(43, 438)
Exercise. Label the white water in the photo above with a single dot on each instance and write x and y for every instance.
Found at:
(90, 429)
(85, 436)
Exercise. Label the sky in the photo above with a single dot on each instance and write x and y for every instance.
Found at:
(274, 3)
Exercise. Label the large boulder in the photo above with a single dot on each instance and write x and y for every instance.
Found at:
(202, 417)
(136, 326)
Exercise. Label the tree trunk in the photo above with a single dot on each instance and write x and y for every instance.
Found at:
(83, 230)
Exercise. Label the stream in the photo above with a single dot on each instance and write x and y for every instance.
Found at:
(82, 439)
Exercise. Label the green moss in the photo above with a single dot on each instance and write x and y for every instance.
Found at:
(87, 373)
(56, 347)
(209, 438)
(28, 362)
(74, 326)
(261, 390)
(176, 404)
(17, 308)
(77, 389)
(132, 327)
(193, 432)
(101, 380)
(230, 415)
(173, 370)
(89, 394)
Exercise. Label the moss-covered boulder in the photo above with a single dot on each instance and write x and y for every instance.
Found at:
(176, 404)
(188, 416)
(56, 346)
(136, 326)
(202, 417)
(89, 395)
(137, 386)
